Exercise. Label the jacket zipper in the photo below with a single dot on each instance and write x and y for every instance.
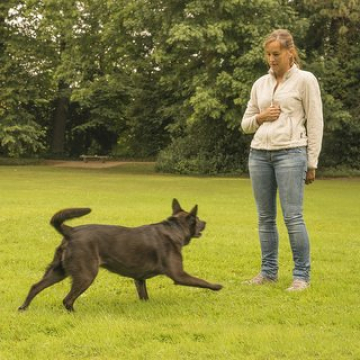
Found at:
(271, 104)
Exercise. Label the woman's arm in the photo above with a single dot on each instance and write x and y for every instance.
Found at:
(314, 119)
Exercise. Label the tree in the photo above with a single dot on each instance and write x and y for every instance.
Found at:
(134, 29)
(332, 48)
(211, 57)
(20, 101)
(139, 77)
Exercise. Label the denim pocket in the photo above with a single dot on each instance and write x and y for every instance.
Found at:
(298, 155)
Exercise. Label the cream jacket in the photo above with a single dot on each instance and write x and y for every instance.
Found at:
(301, 119)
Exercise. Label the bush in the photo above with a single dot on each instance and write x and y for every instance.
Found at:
(208, 148)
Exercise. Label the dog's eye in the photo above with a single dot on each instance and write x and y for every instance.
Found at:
(192, 220)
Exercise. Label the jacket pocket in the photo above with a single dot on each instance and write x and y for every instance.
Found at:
(282, 131)
(261, 136)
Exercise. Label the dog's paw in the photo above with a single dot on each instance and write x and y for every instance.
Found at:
(217, 287)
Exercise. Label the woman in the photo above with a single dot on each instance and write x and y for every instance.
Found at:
(285, 114)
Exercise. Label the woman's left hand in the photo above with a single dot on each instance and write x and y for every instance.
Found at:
(310, 176)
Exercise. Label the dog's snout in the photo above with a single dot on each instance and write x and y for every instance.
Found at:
(200, 226)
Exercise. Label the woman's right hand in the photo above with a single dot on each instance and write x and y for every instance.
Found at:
(272, 113)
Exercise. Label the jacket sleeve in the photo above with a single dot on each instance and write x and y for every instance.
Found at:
(314, 119)
(249, 123)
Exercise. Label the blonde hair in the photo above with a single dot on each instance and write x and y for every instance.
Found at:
(286, 41)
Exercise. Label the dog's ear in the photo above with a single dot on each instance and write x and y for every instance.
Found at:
(176, 208)
(194, 211)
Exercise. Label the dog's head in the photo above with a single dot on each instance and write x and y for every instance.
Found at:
(190, 220)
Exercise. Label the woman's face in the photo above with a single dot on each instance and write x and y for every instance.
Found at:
(278, 58)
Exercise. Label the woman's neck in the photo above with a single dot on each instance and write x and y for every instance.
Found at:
(281, 76)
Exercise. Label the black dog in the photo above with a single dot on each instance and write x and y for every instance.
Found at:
(139, 253)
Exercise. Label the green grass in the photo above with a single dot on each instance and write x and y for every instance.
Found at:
(239, 322)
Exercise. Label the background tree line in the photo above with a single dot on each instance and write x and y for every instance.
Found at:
(165, 78)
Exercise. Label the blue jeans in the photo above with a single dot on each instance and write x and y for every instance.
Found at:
(283, 171)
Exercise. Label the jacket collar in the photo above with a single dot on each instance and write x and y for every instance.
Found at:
(289, 73)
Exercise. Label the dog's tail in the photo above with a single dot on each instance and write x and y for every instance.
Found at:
(66, 214)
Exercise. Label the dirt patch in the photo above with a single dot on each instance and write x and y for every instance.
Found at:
(89, 164)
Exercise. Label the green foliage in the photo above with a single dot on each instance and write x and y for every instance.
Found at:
(332, 53)
(129, 77)
(216, 54)
(100, 115)
(17, 140)
(24, 94)
(209, 147)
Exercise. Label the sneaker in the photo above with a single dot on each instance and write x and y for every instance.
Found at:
(298, 285)
(260, 280)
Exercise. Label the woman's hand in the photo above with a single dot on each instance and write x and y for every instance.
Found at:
(272, 113)
(310, 176)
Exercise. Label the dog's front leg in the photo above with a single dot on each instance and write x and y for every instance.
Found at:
(187, 280)
(180, 277)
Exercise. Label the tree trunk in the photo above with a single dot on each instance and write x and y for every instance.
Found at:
(60, 112)
(59, 121)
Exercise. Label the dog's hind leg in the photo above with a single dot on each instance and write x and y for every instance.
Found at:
(141, 289)
(52, 276)
(81, 282)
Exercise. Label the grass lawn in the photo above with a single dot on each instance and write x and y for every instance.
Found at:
(239, 322)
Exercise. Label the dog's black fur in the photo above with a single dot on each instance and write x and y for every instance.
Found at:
(139, 253)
